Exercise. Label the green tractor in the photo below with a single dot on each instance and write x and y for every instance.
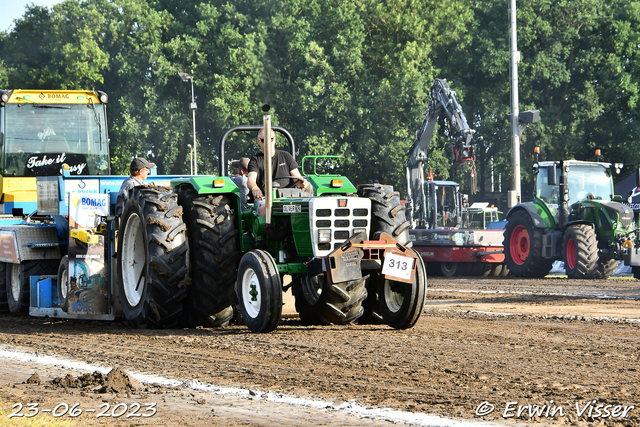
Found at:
(345, 249)
(573, 219)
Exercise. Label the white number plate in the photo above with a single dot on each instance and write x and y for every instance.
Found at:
(397, 266)
(291, 208)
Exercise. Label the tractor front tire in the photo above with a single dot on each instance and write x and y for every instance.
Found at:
(259, 290)
(523, 247)
(606, 268)
(214, 257)
(402, 303)
(636, 272)
(580, 252)
(152, 258)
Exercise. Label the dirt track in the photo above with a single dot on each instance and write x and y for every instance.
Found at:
(549, 342)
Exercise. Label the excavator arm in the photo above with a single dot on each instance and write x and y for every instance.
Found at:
(443, 100)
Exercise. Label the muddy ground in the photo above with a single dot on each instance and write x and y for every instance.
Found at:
(553, 346)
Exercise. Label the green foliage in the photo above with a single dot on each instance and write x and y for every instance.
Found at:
(346, 78)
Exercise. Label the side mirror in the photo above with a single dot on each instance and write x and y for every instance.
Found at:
(551, 174)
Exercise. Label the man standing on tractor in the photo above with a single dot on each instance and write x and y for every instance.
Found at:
(284, 167)
(139, 169)
(241, 180)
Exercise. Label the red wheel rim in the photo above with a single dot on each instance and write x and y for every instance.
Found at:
(519, 244)
(571, 254)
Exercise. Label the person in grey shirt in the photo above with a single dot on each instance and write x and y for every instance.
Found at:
(139, 169)
(241, 180)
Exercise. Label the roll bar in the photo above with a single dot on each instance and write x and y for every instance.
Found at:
(222, 165)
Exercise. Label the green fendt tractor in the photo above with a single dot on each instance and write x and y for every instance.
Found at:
(572, 218)
(344, 248)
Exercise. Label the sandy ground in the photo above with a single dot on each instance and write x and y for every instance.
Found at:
(544, 352)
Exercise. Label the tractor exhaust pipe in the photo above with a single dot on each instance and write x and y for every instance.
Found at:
(268, 184)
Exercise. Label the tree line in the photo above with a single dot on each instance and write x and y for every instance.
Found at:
(345, 77)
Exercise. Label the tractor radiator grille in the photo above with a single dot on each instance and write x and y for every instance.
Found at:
(337, 219)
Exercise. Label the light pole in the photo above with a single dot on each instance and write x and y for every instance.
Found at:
(190, 157)
(514, 194)
(193, 106)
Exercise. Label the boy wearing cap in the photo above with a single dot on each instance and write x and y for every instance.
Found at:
(139, 169)
(241, 180)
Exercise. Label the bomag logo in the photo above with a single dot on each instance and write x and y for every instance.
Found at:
(90, 201)
(54, 96)
(75, 201)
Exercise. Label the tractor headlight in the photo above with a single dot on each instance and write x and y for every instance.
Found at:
(324, 235)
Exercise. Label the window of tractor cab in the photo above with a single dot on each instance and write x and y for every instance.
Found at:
(39, 138)
(586, 181)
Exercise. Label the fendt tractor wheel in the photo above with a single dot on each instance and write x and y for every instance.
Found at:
(402, 303)
(214, 257)
(606, 268)
(387, 215)
(523, 247)
(580, 252)
(152, 258)
(18, 281)
(259, 290)
(636, 272)
(4, 305)
(63, 283)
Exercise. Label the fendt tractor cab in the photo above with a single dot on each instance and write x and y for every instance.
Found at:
(573, 218)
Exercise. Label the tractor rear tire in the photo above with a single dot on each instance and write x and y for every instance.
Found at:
(636, 272)
(387, 212)
(606, 268)
(307, 311)
(259, 290)
(371, 305)
(4, 305)
(402, 303)
(580, 250)
(214, 257)
(63, 283)
(388, 216)
(523, 247)
(341, 303)
(153, 255)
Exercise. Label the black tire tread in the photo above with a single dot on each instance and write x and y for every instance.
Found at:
(606, 268)
(586, 251)
(167, 275)
(213, 240)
